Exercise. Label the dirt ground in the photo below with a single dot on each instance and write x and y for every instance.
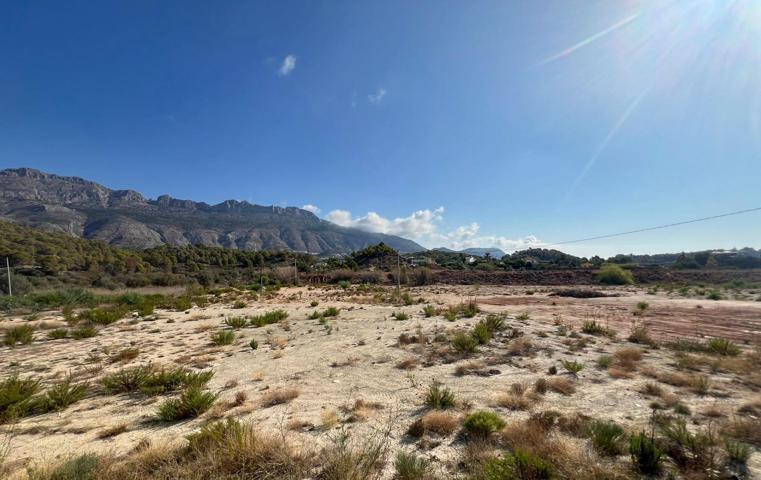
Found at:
(356, 356)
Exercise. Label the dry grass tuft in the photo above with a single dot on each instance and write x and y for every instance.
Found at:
(114, 431)
(279, 396)
(408, 363)
(561, 385)
(440, 422)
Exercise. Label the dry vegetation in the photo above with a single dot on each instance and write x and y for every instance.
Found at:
(432, 383)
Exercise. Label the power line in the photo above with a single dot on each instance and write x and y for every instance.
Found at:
(658, 227)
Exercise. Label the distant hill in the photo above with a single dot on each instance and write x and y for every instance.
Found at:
(479, 252)
(125, 218)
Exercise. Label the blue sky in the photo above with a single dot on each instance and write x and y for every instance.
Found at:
(506, 123)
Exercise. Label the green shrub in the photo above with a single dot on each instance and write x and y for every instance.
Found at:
(231, 436)
(572, 366)
(642, 306)
(16, 397)
(481, 333)
(429, 311)
(604, 361)
(450, 315)
(737, 452)
(190, 404)
(715, 295)
(520, 465)
(494, 322)
(723, 346)
(645, 453)
(408, 466)
(236, 322)
(483, 423)
(61, 395)
(58, 334)
(612, 274)
(314, 303)
(148, 380)
(464, 343)
(22, 334)
(400, 316)
(84, 332)
(439, 398)
(594, 328)
(239, 304)
(126, 380)
(469, 309)
(268, 318)
(157, 382)
(331, 312)
(253, 344)
(223, 337)
(607, 437)
(103, 316)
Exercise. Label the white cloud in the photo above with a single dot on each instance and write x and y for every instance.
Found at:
(377, 97)
(423, 226)
(467, 236)
(311, 208)
(288, 65)
(417, 224)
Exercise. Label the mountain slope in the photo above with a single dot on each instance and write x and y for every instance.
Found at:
(125, 218)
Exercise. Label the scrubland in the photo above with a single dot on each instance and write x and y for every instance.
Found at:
(363, 382)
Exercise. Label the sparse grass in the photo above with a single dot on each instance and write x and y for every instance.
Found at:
(408, 466)
(279, 396)
(236, 322)
(607, 437)
(591, 327)
(640, 333)
(152, 381)
(63, 394)
(84, 332)
(223, 337)
(103, 316)
(723, 346)
(58, 334)
(239, 304)
(268, 318)
(464, 343)
(439, 398)
(22, 334)
(481, 424)
(429, 311)
(16, 397)
(572, 366)
(400, 316)
(253, 344)
(191, 403)
(737, 452)
(603, 362)
(645, 453)
(83, 467)
(519, 465)
(481, 333)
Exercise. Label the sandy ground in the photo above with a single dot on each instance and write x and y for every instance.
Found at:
(355, 356)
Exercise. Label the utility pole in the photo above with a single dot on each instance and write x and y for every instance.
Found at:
(8, 267)
(295, 271)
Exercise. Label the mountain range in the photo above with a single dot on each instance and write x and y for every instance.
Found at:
(125, 218)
